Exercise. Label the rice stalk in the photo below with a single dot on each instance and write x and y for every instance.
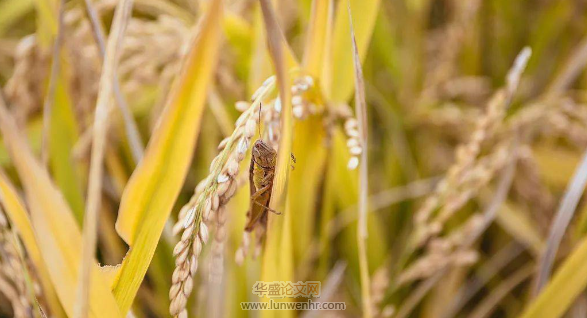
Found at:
(132, 130)
(111, 59)
(361, 107)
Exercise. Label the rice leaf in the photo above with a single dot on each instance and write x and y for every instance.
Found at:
(154, 185)
(16, 212)
(316, 36)
(365, 13)
(53, 222)
(308, 144)
(60, 127)
(105, 96)
(63, 135)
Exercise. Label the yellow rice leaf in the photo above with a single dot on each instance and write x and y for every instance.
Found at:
(53, 221)
(109, 273)
(316, 36)
(308, 144)
(154, 185)
(63, 130)
(559, 294)
(19, 218)
(305, 179)
(63, 135)
(364, 15)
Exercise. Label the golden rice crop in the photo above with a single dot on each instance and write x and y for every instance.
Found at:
(422, 158)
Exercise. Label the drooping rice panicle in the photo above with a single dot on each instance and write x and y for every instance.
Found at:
(466, 154)
(212, 194)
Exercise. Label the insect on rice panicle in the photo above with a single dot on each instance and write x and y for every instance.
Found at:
(261, 173)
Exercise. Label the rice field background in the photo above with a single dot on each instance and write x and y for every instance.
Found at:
(417, 158)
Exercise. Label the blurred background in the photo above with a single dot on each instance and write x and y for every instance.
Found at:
(475, 145)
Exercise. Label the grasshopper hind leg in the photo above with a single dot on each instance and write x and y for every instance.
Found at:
(268, 208)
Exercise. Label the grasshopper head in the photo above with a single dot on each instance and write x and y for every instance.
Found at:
(263, 154)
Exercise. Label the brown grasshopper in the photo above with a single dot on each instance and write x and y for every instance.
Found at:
(261, 175)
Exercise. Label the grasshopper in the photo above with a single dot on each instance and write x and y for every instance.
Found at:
(261, 173)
